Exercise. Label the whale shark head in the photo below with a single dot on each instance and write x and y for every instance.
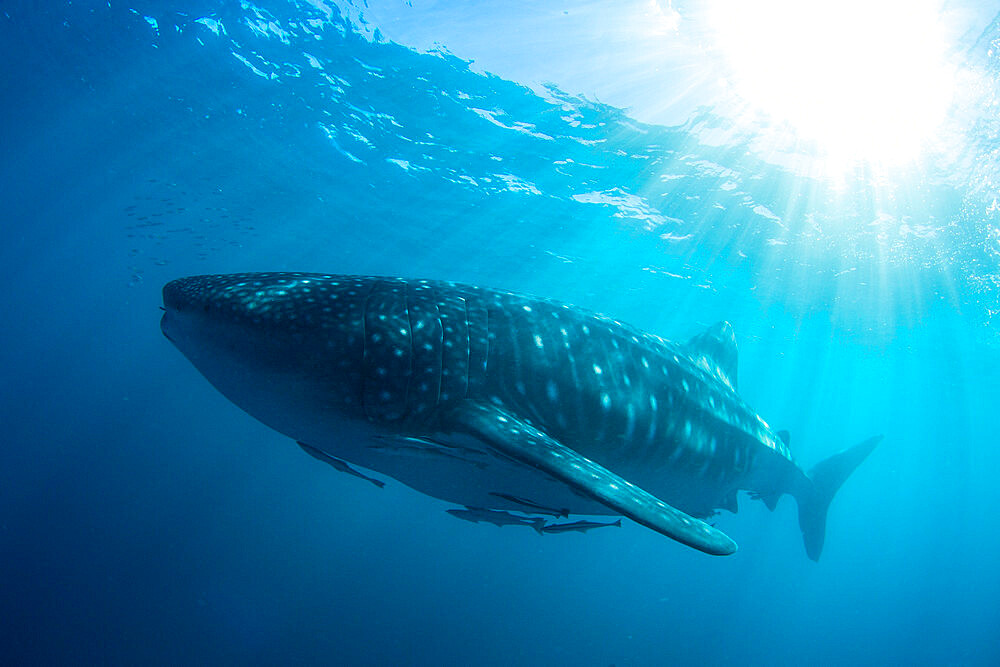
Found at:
(218, 324)
(268, 342)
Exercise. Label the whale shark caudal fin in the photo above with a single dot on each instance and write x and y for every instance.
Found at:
(827, 477)
(524, 443)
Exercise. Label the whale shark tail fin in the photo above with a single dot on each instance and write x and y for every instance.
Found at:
(827, 477)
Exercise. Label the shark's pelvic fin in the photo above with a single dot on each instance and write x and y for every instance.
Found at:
(342, 466)
(715, 350)
(522, 442)
(731, 503)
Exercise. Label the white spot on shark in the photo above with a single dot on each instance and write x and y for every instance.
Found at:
(552, 390)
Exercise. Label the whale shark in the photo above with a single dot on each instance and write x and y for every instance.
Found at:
(497, 400)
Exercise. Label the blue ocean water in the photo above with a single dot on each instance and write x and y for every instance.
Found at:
(146, 520)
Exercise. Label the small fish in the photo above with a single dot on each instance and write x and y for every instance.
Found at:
(342, 466)
(412, 441)
(578, 526)
(497, 518)
(426, 448)
(535, 507)
(415, 451)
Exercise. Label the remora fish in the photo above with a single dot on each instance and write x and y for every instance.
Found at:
(530, 507)
(578, 526)
(570, 409)
(338, 464)
(496, 517)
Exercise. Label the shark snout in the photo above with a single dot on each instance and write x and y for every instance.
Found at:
(212, 310)
(172, 295)
(176, 300)
(165, 325)
(186, 294)
(184, 301)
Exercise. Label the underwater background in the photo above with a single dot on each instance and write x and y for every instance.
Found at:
(144, 519)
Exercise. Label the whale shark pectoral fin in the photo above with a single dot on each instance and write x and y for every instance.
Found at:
(342, 466)
(526, 444)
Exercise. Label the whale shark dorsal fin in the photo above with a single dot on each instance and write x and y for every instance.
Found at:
(785, 437)
(518, 440)
(715, 350)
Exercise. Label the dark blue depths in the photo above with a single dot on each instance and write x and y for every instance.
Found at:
(144, 519)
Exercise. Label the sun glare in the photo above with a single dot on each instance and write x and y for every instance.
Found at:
(866, 80)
